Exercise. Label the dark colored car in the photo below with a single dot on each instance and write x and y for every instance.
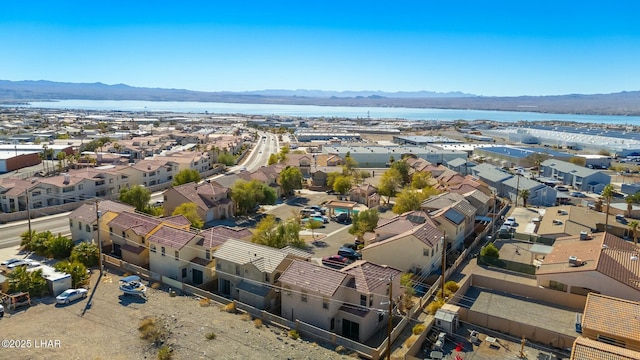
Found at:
(350, 246)
(343, 218)
(335, 261)
(349, 253)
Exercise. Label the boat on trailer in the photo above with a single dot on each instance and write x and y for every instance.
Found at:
(132, 285)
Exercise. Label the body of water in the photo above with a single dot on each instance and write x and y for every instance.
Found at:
(327, 111)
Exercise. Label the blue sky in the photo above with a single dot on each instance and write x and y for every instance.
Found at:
(491, 48)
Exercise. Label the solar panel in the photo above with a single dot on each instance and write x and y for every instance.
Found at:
(454, 216)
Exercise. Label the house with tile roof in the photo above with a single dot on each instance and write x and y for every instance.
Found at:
(600, 262)
(453, 215)
(129, 233)
(410, 242)
(151, 172)
(174, 253)
(365, 194)
(610, 329)
(247, 272)
(349, 302)
(212, 201)
(83, 221)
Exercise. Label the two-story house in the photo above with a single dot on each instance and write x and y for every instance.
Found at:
(365, 194)
(83, 221)
(212, 201)
(352, 302)
(578, 177)
(247, 272)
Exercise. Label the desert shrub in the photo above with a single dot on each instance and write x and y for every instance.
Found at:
(230, 307)
(340, 349)
(210, 336)
(294, 334)
(245, 317)
(447, 294)
(204, 302)
(451, 286)
(490, 251)
(150, 330)
(418, 329)
(156, 285)
(434, 306)
(410, 341)
(257, 323)
(165, 353)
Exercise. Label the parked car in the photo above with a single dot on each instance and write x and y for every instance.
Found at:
(578, 194)
(71, 295)
(350, 246)
(561, 188)
(317, 208)
(10, 261)
(512, 219)
(349, 253)
(343, 218)
(335, 261)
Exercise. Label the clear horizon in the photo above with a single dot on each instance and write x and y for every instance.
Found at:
(486, 49)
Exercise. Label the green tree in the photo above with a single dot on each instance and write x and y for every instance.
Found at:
(331, 178)
(137, 196)
(189, 211)
(186, 176)
(350, 165)
(283, 153)
(86, 253)
(273, 159)
(408, 200)
(420, 180)
(403, 169)
(76, 269)
(607, 196)
(227, 159)
(267, 233)
(490, 250)
(246, 195)
(342, 184)
(21, 280)
(59, 247)
(313, 224)
(364, 221)
(290, 179)
(524, 194)
(390, 183)
(633, 226)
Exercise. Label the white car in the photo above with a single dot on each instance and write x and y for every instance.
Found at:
(9, 262)
(71, 295)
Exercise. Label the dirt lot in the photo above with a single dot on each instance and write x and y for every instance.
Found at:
(109, 330)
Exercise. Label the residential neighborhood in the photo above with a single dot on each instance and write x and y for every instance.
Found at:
(344, 241)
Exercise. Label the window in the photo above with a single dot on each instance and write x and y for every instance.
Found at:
(87, 228)
(79, 225)
(266, 278)
(207, 254)
(143, 239)
(124, 235)
(325, 303)
(303, 297)
(425, 252)
(153, 248)
(333, 323)
(611, 341)
(237, 270)
(177, 254)
(80, 187)
(162, 251)
(218, 267)
(184, 273)
(370, 300)
(363, 300)
(70, 223)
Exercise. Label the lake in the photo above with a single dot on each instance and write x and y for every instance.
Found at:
(327, 111)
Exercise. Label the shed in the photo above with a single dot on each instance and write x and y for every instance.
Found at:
(57, 281)
(447, 318)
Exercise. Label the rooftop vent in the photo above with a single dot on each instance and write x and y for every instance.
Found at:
(574, 261)
(584, 235)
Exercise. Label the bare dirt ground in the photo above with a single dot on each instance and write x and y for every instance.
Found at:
(109, 330)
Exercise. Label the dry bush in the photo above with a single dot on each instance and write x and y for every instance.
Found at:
(156, 285)
(341, 349)
(451, 286)
(257, 323)
(165, 353)
(418, 329)
(230, 307)
(410, 341)
(245, 317)
(204, 302)
(434, 306)
(294, 334)
(127, 274)
(150, 330)
(210, 336)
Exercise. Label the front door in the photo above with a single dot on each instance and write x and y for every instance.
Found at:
(224, 286)
(117, 252)
(197, 277)
(350, 330)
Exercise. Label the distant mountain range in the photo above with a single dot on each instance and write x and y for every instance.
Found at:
(623, 103)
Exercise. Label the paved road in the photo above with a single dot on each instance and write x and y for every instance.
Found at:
(11, 232)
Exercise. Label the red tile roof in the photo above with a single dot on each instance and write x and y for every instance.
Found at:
(609, 315)
(587, 349)
(217, 235)
(312, 277)
(370, 276)
(171, 237)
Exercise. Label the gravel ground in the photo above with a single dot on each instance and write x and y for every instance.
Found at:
(109, 330)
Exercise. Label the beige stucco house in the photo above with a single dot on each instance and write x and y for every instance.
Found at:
(600, 262)
(351, 302)
(83, 221)
(212, 201)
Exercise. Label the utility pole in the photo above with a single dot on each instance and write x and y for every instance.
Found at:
(390, 326)
(98, 235)
(26, 195)
(444, 261)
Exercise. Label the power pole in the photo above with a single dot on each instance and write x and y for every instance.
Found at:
(26, 194)
(98, 235)
(390, 326)
(444, 261)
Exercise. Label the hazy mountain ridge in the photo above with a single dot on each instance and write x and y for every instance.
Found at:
(623, 103)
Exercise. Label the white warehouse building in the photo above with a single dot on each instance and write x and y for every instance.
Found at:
(380, 156)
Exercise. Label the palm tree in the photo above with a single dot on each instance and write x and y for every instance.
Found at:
(633, 226)
(524, 194)
(607, 195)
(61, 158)
(629, 201)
